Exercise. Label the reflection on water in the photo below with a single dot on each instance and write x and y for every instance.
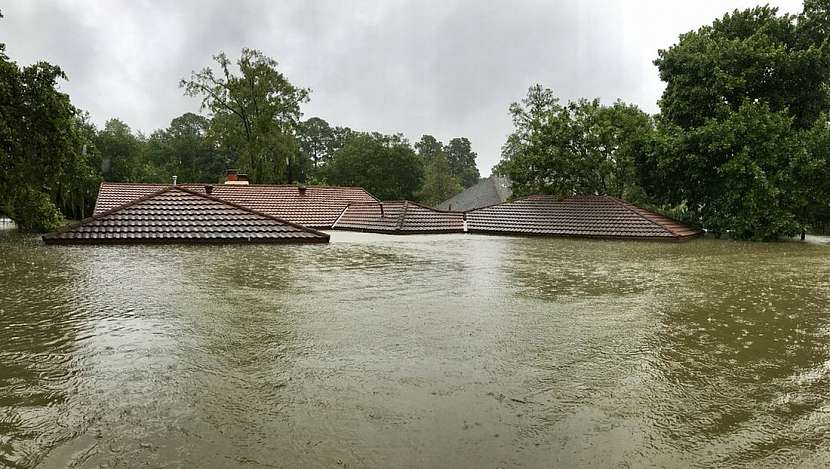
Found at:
(448, 351)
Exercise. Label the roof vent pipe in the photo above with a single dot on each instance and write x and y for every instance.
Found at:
(208, 189)
(174, 180)
(302, 189)
(381, 209)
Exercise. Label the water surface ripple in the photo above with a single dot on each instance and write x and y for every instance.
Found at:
(441, 351)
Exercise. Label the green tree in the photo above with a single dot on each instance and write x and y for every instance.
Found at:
(255, 114)
(439, 183)
(814, 177)
(41, 145)
(76, 193)
(121, 153)
(462, 161)
(744, 170)
(318, 143)
(385, 165)
(741, 98)
(753, 54)
(428, 147)
(316, 139)
(580, 148)
(184, 150)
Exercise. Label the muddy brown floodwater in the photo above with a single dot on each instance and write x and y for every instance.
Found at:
(417, 351)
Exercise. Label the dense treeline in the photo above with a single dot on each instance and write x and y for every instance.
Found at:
(53, 158)
(740, 146)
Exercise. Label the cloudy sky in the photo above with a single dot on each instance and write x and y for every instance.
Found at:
(447, 68)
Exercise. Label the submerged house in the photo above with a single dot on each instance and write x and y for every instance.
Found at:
(313, 206)
(598, 217)
(175, 214)
(237, 211)
(592, 216)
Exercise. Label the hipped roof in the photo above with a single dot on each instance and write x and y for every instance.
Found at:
(581, 216)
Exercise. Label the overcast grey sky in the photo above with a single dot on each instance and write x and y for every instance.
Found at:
(447, 68)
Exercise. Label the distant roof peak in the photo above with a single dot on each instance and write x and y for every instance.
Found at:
(490, 191)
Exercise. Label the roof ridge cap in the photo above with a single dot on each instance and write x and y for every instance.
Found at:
(342, 212)
(402, 216)
(636, 210)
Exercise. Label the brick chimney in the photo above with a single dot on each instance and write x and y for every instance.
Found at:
(234, 177)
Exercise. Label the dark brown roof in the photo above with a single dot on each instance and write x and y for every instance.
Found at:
(176, 214)
(399, 217)
(316, 207)
(584, 216)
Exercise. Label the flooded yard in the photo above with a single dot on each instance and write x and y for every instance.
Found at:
(415, 351)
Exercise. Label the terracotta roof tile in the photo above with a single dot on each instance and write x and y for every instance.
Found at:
(584, 216)
(179, 215)
(316, 206)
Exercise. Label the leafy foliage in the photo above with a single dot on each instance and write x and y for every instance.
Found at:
(318, 143)
(439, 182)
(121, 152)
(185, 150)
(752, 54)
(742, 172)
(462, 162)
(42, 146)
(739, 138)
(255, 114)
(385, 165)
(582, 147)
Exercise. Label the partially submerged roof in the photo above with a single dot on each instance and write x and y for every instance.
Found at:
(313, 206)
(491, 191)
(583, 216)
(175, 214)
(399, 217)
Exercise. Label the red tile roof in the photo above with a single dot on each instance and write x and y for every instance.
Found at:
(399, 217)
(316, 207)
(179, 215)
(583, 216)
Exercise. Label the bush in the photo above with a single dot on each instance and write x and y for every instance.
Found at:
(34, 211)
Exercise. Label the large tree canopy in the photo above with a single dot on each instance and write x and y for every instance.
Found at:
(462, 161)
(582, 147)
(318, 142)
(752, 54)
(184, 150)
(459, 155)
(121, 152)
(255, 114)
(439, 182)
(43, 158)
(742, 103)
(385, 165)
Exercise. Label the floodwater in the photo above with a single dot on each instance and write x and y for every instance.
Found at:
(416, 351)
